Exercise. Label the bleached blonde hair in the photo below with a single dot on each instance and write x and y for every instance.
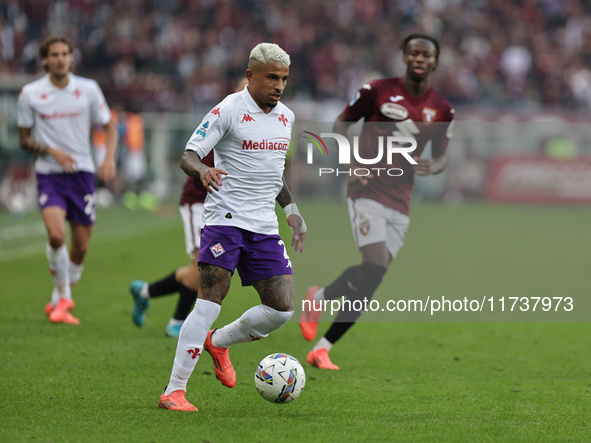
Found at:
(269, 52)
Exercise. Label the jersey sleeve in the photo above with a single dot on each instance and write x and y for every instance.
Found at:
(362, 104)
(212, 129)
(444, 134)
(25, 115)
(100, 114)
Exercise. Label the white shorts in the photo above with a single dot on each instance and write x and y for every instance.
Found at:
(373, 222)
(192, 215)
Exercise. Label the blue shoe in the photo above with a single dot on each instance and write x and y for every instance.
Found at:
(173, 328)
(141, 304)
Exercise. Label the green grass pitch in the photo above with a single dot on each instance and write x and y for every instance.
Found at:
(405, 380)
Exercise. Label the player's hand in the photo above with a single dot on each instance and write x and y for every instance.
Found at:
(107, 170)
(358, 181)
(66, 162)
(423, 166)
(212, 178)
(298, 232)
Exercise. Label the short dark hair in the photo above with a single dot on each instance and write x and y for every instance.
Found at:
(50, 40)
(409, 38)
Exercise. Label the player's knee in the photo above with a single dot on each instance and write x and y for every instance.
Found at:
(273, 319)
(56, 238)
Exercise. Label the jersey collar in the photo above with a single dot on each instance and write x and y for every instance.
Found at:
(69, 87)
(251, 105)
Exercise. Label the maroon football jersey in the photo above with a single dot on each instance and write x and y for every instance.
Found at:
(193, 190)
(390, 110)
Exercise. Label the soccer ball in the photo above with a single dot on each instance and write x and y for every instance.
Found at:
(280, 378)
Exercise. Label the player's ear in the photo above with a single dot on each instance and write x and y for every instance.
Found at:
(249, 75)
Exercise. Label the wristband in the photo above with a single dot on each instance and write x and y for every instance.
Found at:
(292, 209)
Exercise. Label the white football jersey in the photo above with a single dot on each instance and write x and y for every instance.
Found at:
(61, 118)
(251, 146)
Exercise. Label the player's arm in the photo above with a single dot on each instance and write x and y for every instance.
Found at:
(438, 161)
(194, 167)
(29, 144)
(107, 170)
(430, 166)
(294, 219)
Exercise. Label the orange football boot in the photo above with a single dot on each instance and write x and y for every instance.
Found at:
(61, 312)
(321, 360)
(309, 318)
(224, 371)
(176, 401)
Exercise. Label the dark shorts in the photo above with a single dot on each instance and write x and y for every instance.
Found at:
(255, 256)
(72, 192)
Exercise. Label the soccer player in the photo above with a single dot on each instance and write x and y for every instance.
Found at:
(379, 205)
(184, 280)
(250, 133)
(55, 114)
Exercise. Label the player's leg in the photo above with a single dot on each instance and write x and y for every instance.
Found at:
(215, 283)
(142, 292)
(369, 228)
(276, 308)
(79, 191)
(80, 238)
(222, 246)
(378, 250)
(57, 254)
(363, 281)
(52, 190)
(271, 275)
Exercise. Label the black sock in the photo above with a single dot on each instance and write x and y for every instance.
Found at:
(337, 330)
(365, 279)
(168, 285)
(186, 302)
(343, 285)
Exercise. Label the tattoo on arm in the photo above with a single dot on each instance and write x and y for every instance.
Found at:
(191, 164)
(276, 292)
(284, 197)
(30, 145)
(214, 283)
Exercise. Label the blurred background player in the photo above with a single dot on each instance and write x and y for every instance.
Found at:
(184, 280)
(134, 168)
(55, 114)
(250, 132)
(379, 205)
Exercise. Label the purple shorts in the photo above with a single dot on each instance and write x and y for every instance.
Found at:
(72, 192)
(256, 256)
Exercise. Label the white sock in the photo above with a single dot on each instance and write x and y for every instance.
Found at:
(254, 324)
(144, 292)
(319, 294)
(55, 297)
(58, 265)
(74, 272)
(322, 343)
(190, 345)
